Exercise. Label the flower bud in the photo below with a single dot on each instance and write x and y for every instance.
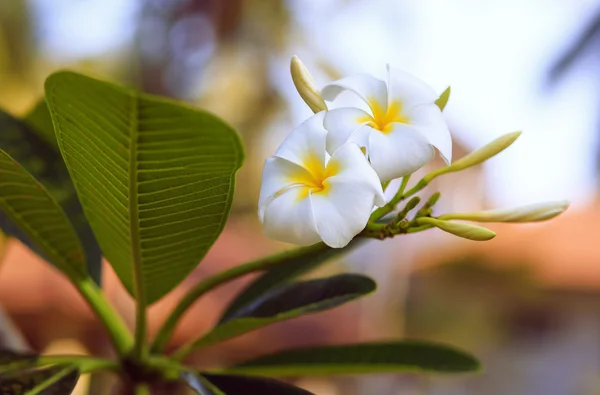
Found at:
(476, 157)
(305, 85)
(467, 231)
(530, 213)
(443, 99)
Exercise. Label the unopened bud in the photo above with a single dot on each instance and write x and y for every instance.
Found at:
(443, 99)
(476, 157)
(306, 87)
(530, 213)
(467, 231)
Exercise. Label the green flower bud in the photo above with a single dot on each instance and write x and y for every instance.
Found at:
(443, 99)
(476, 157)
(467, 231)
(529, 213)
(306, 87)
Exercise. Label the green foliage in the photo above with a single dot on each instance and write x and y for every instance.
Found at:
(290, 301)
(19, 375)
(155, 178)
(32, 143)
(31, 207)
(152, 181)
(295, 265)
(406, 356)
(212, 384)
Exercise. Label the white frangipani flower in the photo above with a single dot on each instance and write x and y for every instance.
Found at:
(307, 196)
(401, 130)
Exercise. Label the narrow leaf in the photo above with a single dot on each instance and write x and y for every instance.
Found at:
(19, 375)
(405, 356)
(155, 178)
(240, 385)
(32, 143)
(31, 207)
(307, 259)
(291, 301)
(54, 380)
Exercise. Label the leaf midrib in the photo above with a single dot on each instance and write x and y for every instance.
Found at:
(134, 230)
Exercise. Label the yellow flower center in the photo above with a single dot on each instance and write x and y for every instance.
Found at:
(314, 178)
(382, 120)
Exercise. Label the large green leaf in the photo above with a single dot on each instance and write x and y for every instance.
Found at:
(20, 376)
(32, 143)
(212, 384)
(291, 301)
(405, 356)
(155, 178)
(305, 260)
(31, 207)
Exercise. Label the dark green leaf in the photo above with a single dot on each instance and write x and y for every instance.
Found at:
(31, 207)
(405, 356)
(19, 375)
(155, 178)
(291, 301)
(212, 384)
(32, 143)
(307, 259)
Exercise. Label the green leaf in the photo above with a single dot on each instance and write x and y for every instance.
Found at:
(40, 120)
(404, 356)
(291, 301)
(212, 384)
(308, 258)
(155, 178)
(443, 99)
(19, 376)
(31, 207)
(32, 143)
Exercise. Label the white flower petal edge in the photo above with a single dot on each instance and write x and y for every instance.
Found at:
(409, 103)
(307, 196)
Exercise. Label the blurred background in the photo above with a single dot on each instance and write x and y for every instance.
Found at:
(527, 302)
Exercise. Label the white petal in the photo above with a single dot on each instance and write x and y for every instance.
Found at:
(408, 89)
(402, 151)
(289, 218)
(277, 176)
(306, 141)
(343, 209)
(428, 119)
(341, 123)
(355, 169)
(367, 87)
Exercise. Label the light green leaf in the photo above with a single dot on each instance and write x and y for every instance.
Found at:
(404, 356)
(155, 178)
(291, 301)
(31, 207)
(32, 143)
(302, 261)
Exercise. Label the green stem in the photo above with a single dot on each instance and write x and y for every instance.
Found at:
(50, 381)
(84, 364)
(208, 284)
(117, 330)
(391, 205)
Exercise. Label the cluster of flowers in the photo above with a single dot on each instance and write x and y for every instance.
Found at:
(326, 178)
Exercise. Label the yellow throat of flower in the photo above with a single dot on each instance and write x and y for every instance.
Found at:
(314, 178)
(383, 118)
